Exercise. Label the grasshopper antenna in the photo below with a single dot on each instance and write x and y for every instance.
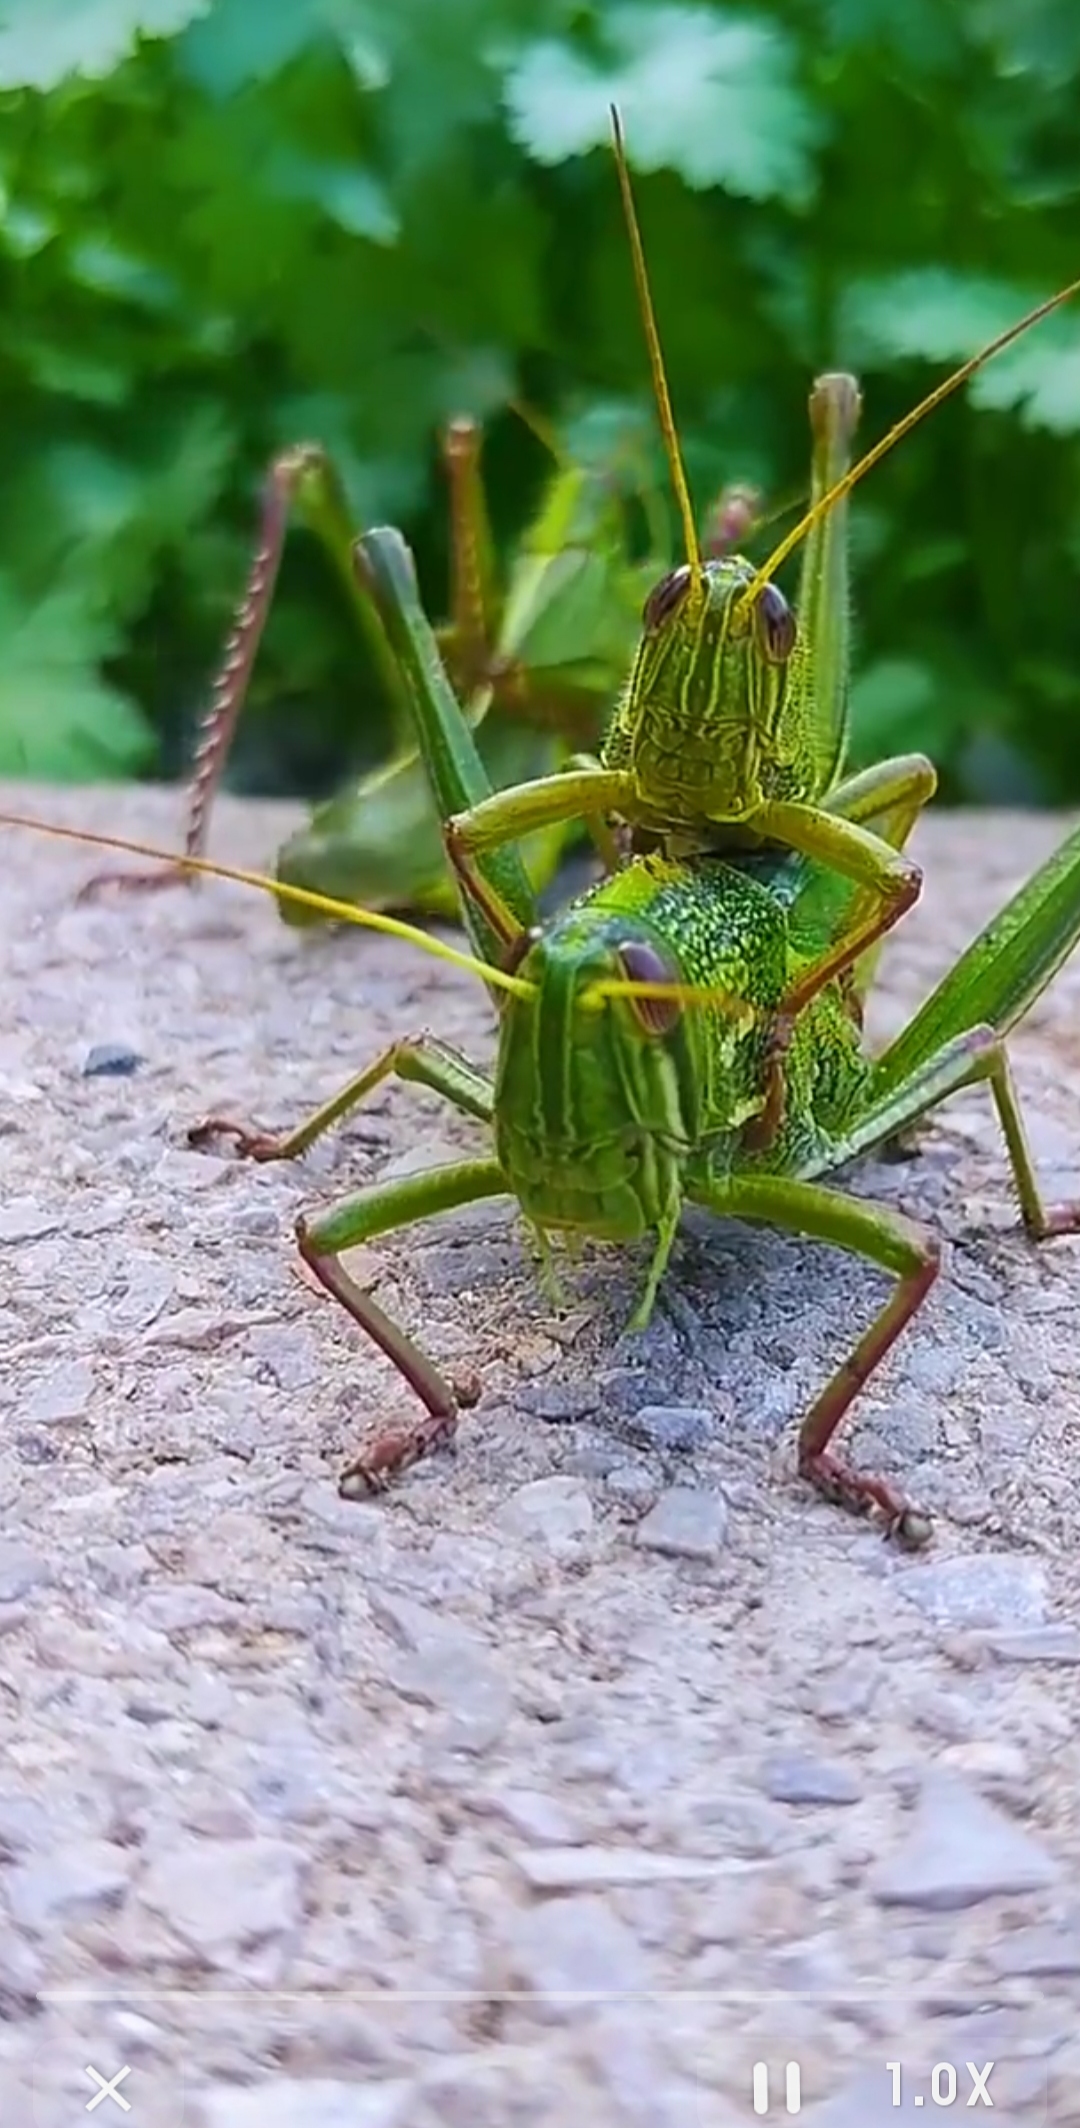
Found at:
(901, 429)
(736, 1008)
(303, 897)
(656, 360)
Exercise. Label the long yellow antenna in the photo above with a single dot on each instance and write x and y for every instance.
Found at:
(733, 1007)
(301, 897)
(902, 428)
(656, 359)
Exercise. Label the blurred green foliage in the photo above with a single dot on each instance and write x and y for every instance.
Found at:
(228, 225)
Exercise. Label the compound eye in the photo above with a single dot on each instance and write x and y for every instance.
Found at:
(641, 963)
(776, 625)
(667, 596)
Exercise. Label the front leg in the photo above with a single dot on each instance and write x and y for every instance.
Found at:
(423, 1061)
(581, 791)
(889, 880)
(861, 837)
(380, 1210)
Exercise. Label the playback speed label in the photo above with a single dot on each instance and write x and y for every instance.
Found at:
(951, 2084)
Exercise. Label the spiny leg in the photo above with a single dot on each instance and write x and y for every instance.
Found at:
(302, 478)
(467, 645)
(904, 1247)
(423, 1061)
(379, 1210)
(893, 793)
(977, 1055)
(892, 879)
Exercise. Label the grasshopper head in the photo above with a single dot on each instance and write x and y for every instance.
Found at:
(708, 604)
(706, 723)
(597, 1101)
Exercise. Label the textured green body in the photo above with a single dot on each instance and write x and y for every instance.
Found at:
(600, 1121)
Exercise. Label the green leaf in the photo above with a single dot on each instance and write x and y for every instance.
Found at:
(709, 95)
(67, 369)
(60, 722)
(353, 198)
(929, 312)
(946, 317)
(237, 41)
(99, 522)
(99, 264)
(1040, 377)
(43, 42)
(924, 35)
(25, 229)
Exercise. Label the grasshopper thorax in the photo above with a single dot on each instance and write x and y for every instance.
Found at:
(709, 722)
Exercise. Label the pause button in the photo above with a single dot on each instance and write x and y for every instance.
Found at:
(792, 2088)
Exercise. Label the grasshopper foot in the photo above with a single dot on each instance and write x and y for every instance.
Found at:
(392, 1453)
(250, 1144)
(863, 1494)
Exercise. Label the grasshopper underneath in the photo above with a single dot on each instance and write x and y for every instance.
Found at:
(629, 1048)
(536, 660)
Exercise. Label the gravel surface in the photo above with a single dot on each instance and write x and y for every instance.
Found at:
(597, 1762)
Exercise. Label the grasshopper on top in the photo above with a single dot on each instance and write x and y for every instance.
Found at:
(732, 729)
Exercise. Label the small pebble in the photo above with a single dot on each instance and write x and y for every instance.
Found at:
(685, 1524)
(632, 1485)
(68, 1884)
(21, 1569)
(991, 1589)
(534, 1815)
(111, 1060)
(469, 1688)
(1042, 1952)
(23, 1220)
(220, 1894)
(674, 1429)
(62, 1398)
(960, 1850)
(559, 1869)
(1042, 1644)
(552, 1511)
(791, 1778)
(569, 1949)
(558, 1402)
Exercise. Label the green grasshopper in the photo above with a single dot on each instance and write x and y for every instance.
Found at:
(629, 1049)
(543, 659)
(732, 729)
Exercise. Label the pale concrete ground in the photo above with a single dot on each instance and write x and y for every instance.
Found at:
(471, 1807)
